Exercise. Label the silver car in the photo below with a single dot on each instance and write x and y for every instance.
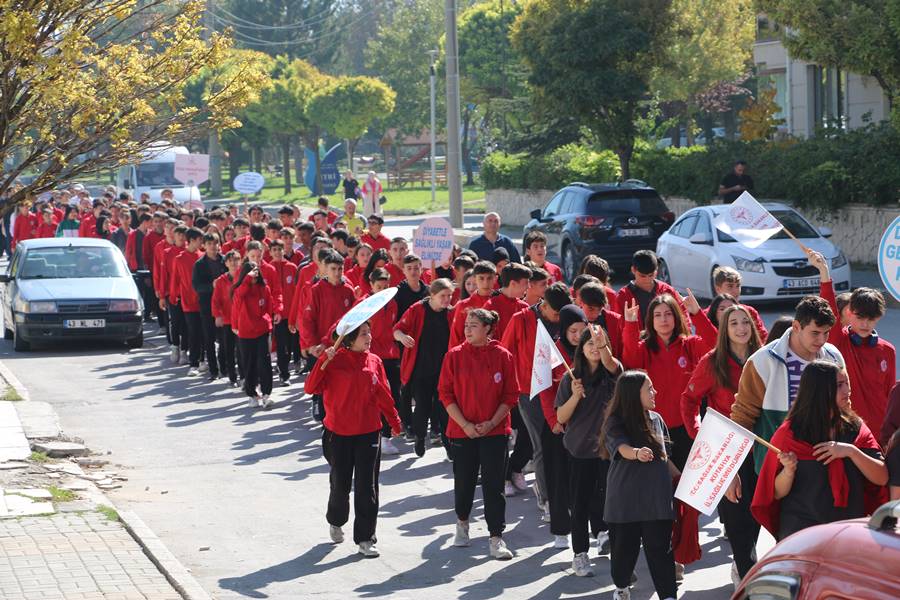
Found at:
(70, 288)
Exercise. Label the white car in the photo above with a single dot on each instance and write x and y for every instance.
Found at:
(692, 248)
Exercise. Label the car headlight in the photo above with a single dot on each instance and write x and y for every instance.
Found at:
(839, 261)
(123, 306)
(751, 266)
(45, 306)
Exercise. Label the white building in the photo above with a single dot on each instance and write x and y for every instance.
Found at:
(812, 96)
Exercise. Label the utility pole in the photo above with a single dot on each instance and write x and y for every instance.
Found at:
(433, 55)
(215, 148)
(454, 180)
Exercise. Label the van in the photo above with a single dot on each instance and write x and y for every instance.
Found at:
(155, 172)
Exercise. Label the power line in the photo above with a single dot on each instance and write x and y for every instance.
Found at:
(250, 40)
(241, 22)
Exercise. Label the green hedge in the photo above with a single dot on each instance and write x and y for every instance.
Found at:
(824, 172)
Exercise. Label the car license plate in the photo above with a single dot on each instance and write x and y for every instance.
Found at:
(806, 282)
(642, 232)
(84, 323)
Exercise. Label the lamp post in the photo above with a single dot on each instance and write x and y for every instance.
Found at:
(453, 150)
(431, 77)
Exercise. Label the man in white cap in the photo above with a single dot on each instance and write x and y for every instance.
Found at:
(355, 222)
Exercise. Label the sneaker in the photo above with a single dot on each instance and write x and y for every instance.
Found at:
(461, 540)
(603, 543)
(266, 402)
(193, 372)
(368, 549)
(212, 376)
(388, 447)
(518, 480)
(735, 575)
(175, 354)
(436, 439)
(545, 516)
(203, 368)
(286, 381)
(499, 549)
(253, 403)
(679, 572)
(561, 541)
(183, 359)
(509, 490)
(581, 565)
(336, 533)
(234, 383)
(420, 447)
(408, 434)
(622, 594)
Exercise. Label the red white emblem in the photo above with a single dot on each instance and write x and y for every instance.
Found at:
(700, 456)
(741, 215)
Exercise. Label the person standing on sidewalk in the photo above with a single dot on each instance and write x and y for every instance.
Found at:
(207, 269)
(251, 317)
(478, 388)
(354, 386)
(182, 294)
(220, 306)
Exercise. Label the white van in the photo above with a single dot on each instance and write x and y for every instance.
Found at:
(154, 173)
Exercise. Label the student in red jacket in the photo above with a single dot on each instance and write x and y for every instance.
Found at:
(24, 227)
(251, 319)
(592, 299)
(329, 300)
(182, 293)
(397, 251)
(599, 268)
(355, 273)
(177, 326)
(47, 226)
(255, 251)
(537, 285)
(715, 379)
(478, 389)
(668, 353)
(535, 246)
(221, 311)
(462, 265)
(645, 287)
(727, 280)
(513, 283)
(356, 395)
(373, 236)
(424, 331)
(307, 275)
(485, 274)
(286, 273)
(870, 359)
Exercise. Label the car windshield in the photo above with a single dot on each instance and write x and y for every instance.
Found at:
(71, 262)
(626, 202)
(790, 219)
(157, 174)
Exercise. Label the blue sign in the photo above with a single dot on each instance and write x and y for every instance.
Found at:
(889, 259)
(328, 165)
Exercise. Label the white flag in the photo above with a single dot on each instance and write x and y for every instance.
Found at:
(747, 221)
(546, 357)
(717, 454)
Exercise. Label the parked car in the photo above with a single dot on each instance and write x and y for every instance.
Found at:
(858, 558)
(699, 139)
(70, 288)
(609, 220)
(777, 269)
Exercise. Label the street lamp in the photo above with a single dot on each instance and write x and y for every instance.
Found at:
(451, 54)
(433, 54)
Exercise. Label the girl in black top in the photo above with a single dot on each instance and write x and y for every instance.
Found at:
(638, 506)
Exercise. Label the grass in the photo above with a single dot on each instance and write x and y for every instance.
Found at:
(10, 394)
(38, 457)
(61, 495)
(108, 511)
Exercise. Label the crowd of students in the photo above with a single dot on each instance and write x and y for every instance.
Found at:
(448, 362)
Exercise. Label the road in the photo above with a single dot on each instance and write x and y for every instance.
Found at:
(239, 496)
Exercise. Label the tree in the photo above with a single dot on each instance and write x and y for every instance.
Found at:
(348, 105)
(601, 82)
(712, 44)
(90, 84)
(758, 121)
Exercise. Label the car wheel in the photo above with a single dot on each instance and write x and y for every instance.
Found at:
(662, 272)
(569, 262)
(20, 345)
(136, 342)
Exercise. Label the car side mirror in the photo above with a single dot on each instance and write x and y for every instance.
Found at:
(701, 238)
(825, 232)
(535, 214)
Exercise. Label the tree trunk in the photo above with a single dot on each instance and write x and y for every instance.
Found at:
(466, 150)
(234, 167)
(318, 158)
(624, 154)
(675, 135)
(258, 159)
(297, 145)
(286, 158)
(215, 163)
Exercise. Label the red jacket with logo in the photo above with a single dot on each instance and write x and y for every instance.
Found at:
(411, 323)
(555, 272)
(626, 296)
(702, 385)
(148, 248)
(169, 255)
(158, 270)
(382, 241)
(505, 307)
(519, 339)
(327, 304)
(221, 298)
(251, 310)
(669, 368)
(382, 323)
(273, 280)
(461, 310)
(304, 277)
(478, 379)
(180, 280)
(396, 274)
(286, 275)
(46, 230)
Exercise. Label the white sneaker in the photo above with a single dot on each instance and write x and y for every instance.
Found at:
(368, 549)
(561, 541)
(183, 359)
(509, 490)
(461, 540)
(388, 447)
(518, 480)
(193, 372)
(174, 354)
(545, 516)
(679, 572)
(253, 403)
(622, 594)
(336, 533)
(499, 549)
(603, 543)
(581, 565)
(735, 575)
(266, 402)
(204, 368)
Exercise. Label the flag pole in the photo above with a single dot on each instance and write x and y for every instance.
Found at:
(766, 444)
(337, 345)
(791, 235)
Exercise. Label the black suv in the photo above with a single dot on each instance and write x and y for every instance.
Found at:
(611, 220)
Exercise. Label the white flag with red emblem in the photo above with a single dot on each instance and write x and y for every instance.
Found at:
(747, 221)
(546, 357)
(717, 454)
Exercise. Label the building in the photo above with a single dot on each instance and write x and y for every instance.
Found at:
(812, 96)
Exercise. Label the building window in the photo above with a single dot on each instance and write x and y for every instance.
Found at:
(766, 29)
(829, 87)
(776, 80)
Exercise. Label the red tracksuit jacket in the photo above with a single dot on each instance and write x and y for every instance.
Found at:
(355, 391)
(555, 272)
(221, 298)
(702, 385)
(251, 310)
(411, 323)
(614, 324)
(169, 256)
(274, 282)
(286, 275)
(23, 229)
(148, 248)
(625, 296)
(382, 323)
(381, 241)
(461, 310)
(158, 273)
(478, 379)
(239, 244)
(670, 368)
(519, 339)
(180, 280)
(304, 277)
(505, 307)
(871, 368)
(396, 274)
(131, 250)
(46, 230)
(327, 304)
(548, 396)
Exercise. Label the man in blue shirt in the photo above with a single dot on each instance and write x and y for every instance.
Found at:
(485, 244)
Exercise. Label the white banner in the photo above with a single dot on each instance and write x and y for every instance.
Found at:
(717, 454)
(747, 221)
(192, 169)
(363, 311)
(546, 357)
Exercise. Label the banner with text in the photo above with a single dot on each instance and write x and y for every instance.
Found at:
(433, 241)
(546, 358)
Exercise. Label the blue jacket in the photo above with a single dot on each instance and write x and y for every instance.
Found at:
(484, 248)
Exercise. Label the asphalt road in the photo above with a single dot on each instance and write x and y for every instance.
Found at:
(239, 496)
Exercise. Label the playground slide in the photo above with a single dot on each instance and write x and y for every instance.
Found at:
(415, 158)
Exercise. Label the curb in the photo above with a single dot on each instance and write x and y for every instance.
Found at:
(14, 382)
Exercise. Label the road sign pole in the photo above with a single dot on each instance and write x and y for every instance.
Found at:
(454, 178)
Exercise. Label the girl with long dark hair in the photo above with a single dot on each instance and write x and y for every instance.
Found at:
(638, 506)
(378, 260)
(252, 312)
(827, 462)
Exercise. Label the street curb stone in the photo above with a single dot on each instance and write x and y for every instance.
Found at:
(13, 381)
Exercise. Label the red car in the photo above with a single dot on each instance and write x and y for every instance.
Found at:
(855, 559)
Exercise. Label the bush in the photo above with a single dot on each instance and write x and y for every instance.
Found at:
(564, 165)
